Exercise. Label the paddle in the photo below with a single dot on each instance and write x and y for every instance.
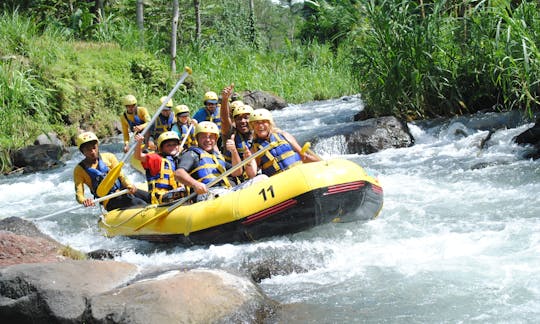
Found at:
(105, 186)
(185, 138)
(307, 148)
(113, 195)
(212, 183)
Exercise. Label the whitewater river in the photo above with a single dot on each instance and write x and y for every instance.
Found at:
(458, 239)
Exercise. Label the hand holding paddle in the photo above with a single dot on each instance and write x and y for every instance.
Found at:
(307, 149)
(105, 186)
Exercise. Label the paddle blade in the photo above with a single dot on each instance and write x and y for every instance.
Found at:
(105, 186)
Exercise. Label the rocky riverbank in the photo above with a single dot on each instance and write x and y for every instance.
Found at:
(40, 283)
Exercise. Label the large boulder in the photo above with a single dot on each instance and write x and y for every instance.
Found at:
(22, 242)
(49, 138)
(262, 99)
(38, 157)
(57, 292)
(374, 135)
(109, 292)
(38, 285)
(196, 296)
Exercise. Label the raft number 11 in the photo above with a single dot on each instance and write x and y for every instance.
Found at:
(264, 191)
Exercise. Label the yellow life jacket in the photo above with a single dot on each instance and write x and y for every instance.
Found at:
(162, 182)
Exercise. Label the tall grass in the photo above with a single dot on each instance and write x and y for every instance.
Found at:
(457, 57)
(49, 81)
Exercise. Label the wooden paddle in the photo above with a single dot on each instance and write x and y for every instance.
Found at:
(106, 184)
(113, 195)
(212, 183)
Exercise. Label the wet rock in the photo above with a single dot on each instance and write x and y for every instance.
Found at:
(109, 292)
(21, 226)
(50, 138)
(374, 135)
(530, 137)
(197, 296)
(262, 99)
(38, 157)
(38, 285)
(102, 254)
(16, 249)
(57, 292)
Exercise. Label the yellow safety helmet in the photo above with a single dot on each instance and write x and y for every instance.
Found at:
(211, 97)
(85, 138)
(240, 110)
(236, 103)
(169, 103)
(261, 114)
(181, 109)
(129, 100)
(207, 127)
(167, 136)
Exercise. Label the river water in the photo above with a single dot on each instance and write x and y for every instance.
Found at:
(458, 239)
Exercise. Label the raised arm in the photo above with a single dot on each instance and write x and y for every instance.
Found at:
(224, 110)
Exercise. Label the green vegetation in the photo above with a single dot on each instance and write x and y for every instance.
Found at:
(64, 65)
(448, 57)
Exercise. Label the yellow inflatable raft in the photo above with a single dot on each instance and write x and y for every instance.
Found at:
(295, 200)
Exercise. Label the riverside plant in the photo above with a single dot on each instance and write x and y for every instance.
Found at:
(444, 58)
(52, 82)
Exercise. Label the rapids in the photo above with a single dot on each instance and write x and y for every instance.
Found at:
(458, 238)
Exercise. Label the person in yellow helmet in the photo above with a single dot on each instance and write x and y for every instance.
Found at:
(160, 167)
(285, 152)
(182, 126)
(235, 121)
(201, 164)
(94, 168)
(162, 124)
(210, 111)
(134, 119)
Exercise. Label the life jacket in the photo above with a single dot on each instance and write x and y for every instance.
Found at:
(136, 119)
(182, 131)
(242, 143)
(211, 166)
(213, 117)
(163, 181)
(98, 174)
(162, 124)
(280, 157)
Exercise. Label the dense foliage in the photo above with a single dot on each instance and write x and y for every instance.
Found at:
(65, 64)
(448, 57)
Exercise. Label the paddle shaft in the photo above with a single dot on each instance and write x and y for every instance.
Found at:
(113, 195)
(156, 115)
(107, 183)
(212, 183)
(181, 148)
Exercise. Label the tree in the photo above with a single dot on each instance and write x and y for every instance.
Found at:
(196, 5)
(252, 31)
(173, 36)
(140, 20)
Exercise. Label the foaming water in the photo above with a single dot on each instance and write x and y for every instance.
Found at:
(458, 239)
